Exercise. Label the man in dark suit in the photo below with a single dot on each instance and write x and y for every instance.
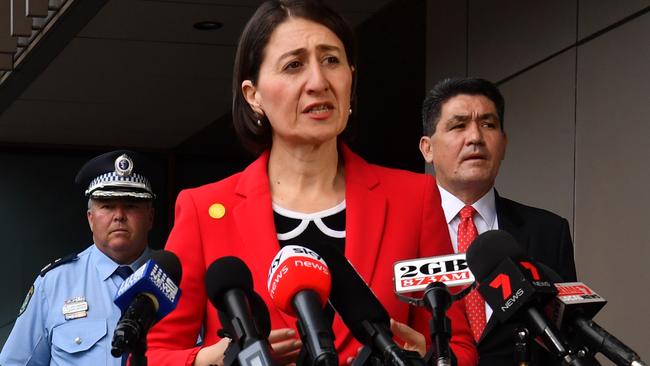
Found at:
(465, 141)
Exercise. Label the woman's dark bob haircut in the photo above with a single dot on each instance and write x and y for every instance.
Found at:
(250, 54)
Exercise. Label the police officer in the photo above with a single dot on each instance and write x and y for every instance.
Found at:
(68, 316)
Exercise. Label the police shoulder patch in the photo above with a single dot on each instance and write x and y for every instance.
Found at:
(58, 262)
(28, 297)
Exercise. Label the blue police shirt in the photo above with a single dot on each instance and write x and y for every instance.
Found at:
(55, 330)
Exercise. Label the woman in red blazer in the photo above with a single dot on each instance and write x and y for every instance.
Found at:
(293, 84)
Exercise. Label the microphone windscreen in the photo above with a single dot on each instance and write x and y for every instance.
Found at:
(487, 251)
(295, 269)
(170, 263)
(549, 273)
(350, 295)
(224, 274)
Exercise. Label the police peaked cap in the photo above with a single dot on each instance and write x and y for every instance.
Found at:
(120, 173)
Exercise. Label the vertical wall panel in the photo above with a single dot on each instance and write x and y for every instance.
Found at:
(21, 24)
(446, 43)
(593, 16)
(612, 175)
(36, 8)
(539, 122)
(446, 46)
(7, 41)
(506, 36)
(390, 85)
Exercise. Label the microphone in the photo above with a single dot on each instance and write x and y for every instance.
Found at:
(416, 274)
(229, 286)
(514, 287)
(299, 284)
(145, 297)
(602, 341)
(434, 275)
(572, 311)
(262, 319)
(360, 309)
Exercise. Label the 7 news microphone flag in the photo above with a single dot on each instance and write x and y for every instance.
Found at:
(516, 289)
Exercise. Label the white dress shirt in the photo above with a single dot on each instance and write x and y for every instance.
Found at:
(485, 218)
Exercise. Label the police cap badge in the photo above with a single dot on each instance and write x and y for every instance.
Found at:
(120, 173)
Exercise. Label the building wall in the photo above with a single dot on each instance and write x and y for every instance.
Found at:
(575, 77)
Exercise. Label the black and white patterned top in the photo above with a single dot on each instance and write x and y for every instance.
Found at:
(297, 228)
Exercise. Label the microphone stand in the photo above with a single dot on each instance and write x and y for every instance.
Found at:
(523, 351)
(555, 343)
(438, 299)
(366, 357)
(383, 351)
(138, 355)
(522, 346)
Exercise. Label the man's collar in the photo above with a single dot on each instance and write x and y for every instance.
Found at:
(485, 206)
(451, 205)
(106, 266)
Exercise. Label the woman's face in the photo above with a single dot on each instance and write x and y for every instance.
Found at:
(304, 83)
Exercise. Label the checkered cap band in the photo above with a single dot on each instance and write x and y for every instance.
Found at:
(112, 185)
(98, 194)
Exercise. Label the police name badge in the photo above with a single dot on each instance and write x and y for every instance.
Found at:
(74, 308)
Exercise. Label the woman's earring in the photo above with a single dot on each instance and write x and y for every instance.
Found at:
(350, 110)
(259, 122)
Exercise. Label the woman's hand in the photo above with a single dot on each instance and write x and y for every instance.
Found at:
(286, 346)
(284, 343)
(351, 359)
(212, 355)
(413, 340)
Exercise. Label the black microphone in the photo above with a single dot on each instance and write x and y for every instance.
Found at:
(229, 286)
(515, 288)
(572, 311)
(146, 296)
(360, 309)
(261, 320)
(598, 339)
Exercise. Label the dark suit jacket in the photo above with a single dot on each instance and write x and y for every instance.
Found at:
(546, 238)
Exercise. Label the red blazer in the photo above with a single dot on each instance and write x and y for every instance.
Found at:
(390, 215)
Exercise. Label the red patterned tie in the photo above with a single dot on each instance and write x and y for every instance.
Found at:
(474, 303)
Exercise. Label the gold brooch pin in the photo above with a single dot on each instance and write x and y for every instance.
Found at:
(217, 210)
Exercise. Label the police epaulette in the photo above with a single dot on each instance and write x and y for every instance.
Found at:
(58, 262)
